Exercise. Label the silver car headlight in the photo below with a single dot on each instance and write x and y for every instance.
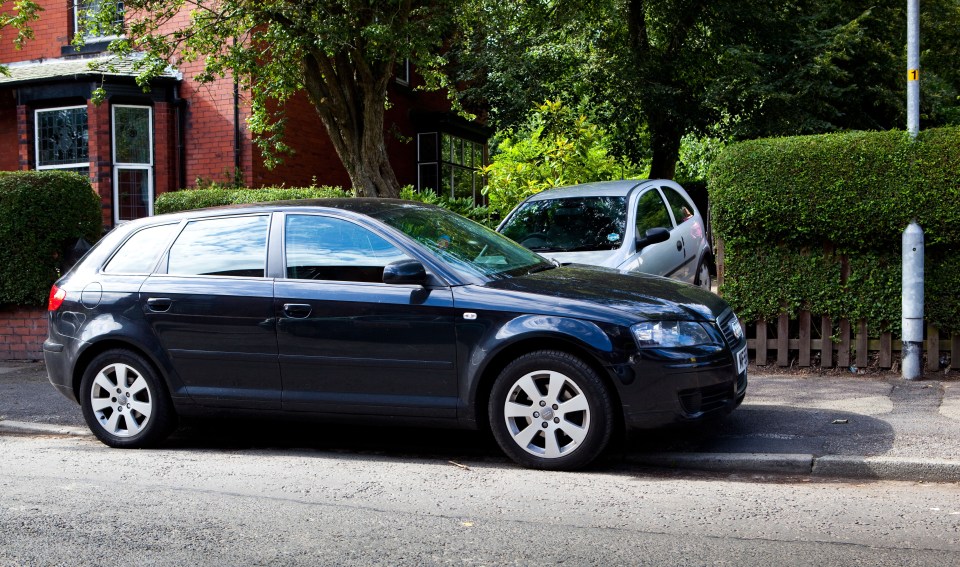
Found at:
(667, 334)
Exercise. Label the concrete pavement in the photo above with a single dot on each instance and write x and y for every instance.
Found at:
(841, 426)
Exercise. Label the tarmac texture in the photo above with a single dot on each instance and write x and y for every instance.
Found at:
(833, 426)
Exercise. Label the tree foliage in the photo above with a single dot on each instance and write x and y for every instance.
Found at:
(556, 146)
(656, 71)
(341, 53)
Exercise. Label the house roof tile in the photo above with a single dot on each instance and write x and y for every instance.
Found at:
(76, 68)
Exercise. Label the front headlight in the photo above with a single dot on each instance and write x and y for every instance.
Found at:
(667, 334)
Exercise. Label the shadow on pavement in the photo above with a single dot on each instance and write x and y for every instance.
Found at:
(775, 429)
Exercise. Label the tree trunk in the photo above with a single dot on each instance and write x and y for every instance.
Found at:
(665, 144)
(349, 95)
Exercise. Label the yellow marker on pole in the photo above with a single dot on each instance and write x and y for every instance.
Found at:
(913, 75)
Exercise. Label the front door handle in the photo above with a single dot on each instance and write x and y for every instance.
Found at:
(297, 310)
(679, 245)
(159, 304)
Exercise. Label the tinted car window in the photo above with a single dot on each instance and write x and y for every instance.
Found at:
(682, 209)
(234, 246)
(652, 213)
(139, 254)
(464, 245)
(325, 248)
(574, 223)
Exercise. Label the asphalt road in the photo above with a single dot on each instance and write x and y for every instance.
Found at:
(834, 426)
(71, 501)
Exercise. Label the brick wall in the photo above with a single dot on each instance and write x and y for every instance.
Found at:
(22, 332)
(50, 33)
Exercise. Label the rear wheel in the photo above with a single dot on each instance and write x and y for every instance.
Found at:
(124, 403)
(549, 410)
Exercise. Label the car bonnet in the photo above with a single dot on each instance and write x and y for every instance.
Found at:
(635, 296)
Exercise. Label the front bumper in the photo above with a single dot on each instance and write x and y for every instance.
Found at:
(664, 393)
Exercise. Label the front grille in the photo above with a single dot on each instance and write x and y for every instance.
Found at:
(705, 400)
(724, 322)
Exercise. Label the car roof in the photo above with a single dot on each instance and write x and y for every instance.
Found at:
(598, 189)
(369, 206)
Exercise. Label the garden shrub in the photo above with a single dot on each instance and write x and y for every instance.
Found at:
(42, 214)
(791, 210)
(189, 199)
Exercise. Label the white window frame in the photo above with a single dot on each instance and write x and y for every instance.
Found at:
(403, 77)
(76, 23)
(36, 139)
(117, 166)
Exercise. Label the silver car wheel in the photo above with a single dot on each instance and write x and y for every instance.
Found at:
(703, 276)
(547, 414)
(121, 400)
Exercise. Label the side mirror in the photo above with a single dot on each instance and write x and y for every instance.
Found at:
(404, 272)
(653, 236)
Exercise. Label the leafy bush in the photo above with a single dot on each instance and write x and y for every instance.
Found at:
(201, 198)
(42, 214)
(462, 206)
(556, 147)
(790, 211)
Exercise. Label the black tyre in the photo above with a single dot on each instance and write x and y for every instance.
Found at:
(124, 403)
(549, 410)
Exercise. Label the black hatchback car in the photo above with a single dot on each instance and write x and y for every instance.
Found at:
(366, 309)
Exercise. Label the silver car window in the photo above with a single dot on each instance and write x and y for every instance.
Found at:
(682, 209)
(652, 212)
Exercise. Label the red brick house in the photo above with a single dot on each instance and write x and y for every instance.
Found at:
(136, 145)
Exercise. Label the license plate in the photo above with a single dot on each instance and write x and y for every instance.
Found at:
(741, 361)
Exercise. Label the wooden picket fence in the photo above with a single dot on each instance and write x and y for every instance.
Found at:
(805, 342)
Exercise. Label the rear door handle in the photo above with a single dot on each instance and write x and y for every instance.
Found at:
(297, 310)
(679, 245)
(159, 304)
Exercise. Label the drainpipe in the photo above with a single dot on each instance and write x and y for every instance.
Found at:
(180, 122)
(912, 319)
(237, 150)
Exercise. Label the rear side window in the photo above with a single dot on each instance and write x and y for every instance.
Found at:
(139, 254)
(682, 209)
(652, 213)
(234, 246)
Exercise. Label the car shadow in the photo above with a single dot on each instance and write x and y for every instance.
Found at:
(774, 429)
(751, 429)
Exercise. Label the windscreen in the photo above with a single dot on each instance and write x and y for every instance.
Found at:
(569, 224)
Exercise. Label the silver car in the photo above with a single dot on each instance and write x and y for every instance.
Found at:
(648, 225)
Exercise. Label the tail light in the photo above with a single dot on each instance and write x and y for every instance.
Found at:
(57, 296)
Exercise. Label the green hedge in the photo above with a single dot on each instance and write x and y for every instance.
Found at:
(790, 209)
(42, 214)
(201, 198)
(189, 199)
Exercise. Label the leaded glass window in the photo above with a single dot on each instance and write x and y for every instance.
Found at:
(62, 139)
(131, 131)
(132, 162)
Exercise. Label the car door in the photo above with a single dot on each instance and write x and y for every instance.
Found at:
(663, 258)
(211, 307)
(350, 343)
(689, 231)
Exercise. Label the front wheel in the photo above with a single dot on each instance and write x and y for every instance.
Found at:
(123, 401)
(549, 410)
(703, 275)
